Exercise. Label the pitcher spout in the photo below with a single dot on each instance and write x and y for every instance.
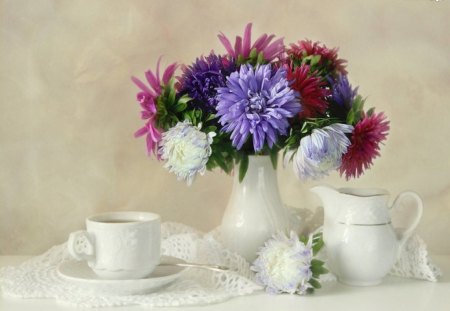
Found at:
(329, 196)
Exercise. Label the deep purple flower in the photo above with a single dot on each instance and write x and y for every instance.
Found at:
(258, 102)
(201, 79)
(342, 92)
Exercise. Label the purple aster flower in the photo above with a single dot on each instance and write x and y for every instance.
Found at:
(201, 79)
(256, 102)
(342, 92)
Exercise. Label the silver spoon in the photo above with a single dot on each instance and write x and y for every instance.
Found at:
(195, 265)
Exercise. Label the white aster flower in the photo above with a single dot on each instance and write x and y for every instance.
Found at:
(320, 152)
(284, 264)
(186, 150)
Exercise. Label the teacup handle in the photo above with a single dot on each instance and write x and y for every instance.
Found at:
(408, 232)
(81, 245)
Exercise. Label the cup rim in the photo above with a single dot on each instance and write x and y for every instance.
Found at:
(134, 217)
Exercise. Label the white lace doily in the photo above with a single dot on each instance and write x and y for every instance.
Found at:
(38, 278)
(414, 262)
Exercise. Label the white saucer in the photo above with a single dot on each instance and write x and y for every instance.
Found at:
(78, 272)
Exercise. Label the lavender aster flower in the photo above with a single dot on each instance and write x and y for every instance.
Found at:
(256, 102)
(320, 152)
(201, 79)
(186, 150)
(284, 264)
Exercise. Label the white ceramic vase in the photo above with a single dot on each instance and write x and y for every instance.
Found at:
(255, 210)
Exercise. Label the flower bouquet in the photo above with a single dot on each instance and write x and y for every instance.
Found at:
(257, 99)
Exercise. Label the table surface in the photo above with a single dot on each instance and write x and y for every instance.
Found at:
(393, 294)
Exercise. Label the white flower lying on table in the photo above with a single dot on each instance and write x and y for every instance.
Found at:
(287, 265)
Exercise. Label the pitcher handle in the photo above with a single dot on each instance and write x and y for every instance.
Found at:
(408, 232)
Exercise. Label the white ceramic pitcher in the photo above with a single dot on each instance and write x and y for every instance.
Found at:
(361, 243)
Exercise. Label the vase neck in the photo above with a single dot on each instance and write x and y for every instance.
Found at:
(260, 170)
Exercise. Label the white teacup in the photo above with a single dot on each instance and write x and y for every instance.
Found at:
(119, 245)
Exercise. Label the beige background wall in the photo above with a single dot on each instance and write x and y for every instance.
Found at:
(68, 112)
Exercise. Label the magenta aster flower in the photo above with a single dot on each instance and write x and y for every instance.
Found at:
(256, 102)
(243, 47)
(328, 57)
(367, 135)
(312, 90)
(147, 98)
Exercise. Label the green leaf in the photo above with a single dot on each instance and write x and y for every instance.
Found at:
(174, 120)
(319, 270)
(260, 58)
(317, 246)
(210, 128)
(317, 267)
(303, 239)
(351, 117)
(253, 54)
(222, 164)
(184, 99)
(356, 111)
(314, 283)
(243, 167)
(274, 157)
(370, 111)
(240, 60)
(315, 60)
(172, 94)
(180, 107)
(210, 117)
(187, 117)
(211, 164)
(306, 59)
(198, 113)
(317, 263)
(238, 158)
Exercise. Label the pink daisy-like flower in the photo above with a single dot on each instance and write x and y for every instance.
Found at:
(307, 47)
(243, 47)
(312, 90)
(367, 135)
(147, 98)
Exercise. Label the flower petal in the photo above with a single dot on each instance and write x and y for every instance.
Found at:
(247, 40)
(226, 43)
(154, 83)
(143, 87)
(169, 72)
